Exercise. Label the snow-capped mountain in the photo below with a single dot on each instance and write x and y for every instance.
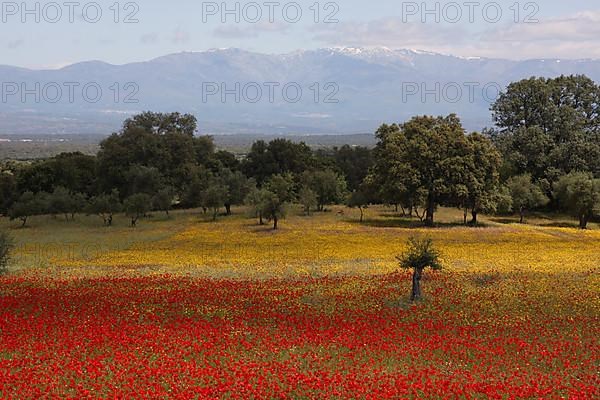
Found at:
(330, 90)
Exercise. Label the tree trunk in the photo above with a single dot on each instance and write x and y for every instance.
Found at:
(361, 214)
(110, 218)
(24, 221)
(228, 209)
(416, 285)
(133, 221)
(583, 221)
(474, 219)
(465, 216)
(430, 211)
(522, 214)
(275, 221)
(260, 219)
(215, 214)
(396, 207)
(167, 212)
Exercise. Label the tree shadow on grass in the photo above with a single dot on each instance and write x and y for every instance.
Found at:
(550, 224)
(559, 224)
(505, 220)
(411, 223)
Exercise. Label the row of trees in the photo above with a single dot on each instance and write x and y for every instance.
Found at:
(543, 152)
(156, 163)
(269, 202)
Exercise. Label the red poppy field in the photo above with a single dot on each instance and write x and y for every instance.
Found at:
(318, 310)
(477, 336)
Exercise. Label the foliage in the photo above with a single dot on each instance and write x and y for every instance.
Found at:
(280, 156)
(27, 205)
(105, 206)
(420, 255)
(525, 195)
(308, 199)
(548, 127)
(142, 179)
(579, 194)
(354, 163)
(429, 161)
(255, 199)
(136, 206)
(163, 123)
(329, 187)
(163, 142)
(61, 201)
(482, 181)
(358, 199)
(279, 193)
(237, 186)
(163, 199)
(214, 197)
(8, 190)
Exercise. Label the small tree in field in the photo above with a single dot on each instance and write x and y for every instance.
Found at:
(358, 199)
(105, 206)
(579, 194)
(525, 194)
(279, 193)
(6, 245)
(308, 199)
(27, 205)
(163, 200)
(214, 197)
(420, 255)
(255, 200)
(137, 206)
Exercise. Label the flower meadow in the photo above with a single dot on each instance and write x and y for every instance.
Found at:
(515, 313)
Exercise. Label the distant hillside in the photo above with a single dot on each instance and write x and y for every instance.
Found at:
(365, 87)
(29, 147)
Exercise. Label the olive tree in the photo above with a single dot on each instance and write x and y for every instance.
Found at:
(419, 255)
(137, 206)
(105, 206)
(579, 194)
(525, 194)
(358, 199)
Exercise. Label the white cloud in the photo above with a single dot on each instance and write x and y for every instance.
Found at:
(390, 32)
(575, 36)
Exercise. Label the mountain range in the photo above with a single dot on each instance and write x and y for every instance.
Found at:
(233, 91)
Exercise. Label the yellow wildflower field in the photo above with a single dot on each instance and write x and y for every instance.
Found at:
(325, 244)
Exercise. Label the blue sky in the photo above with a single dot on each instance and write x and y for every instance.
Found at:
(66, 34)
